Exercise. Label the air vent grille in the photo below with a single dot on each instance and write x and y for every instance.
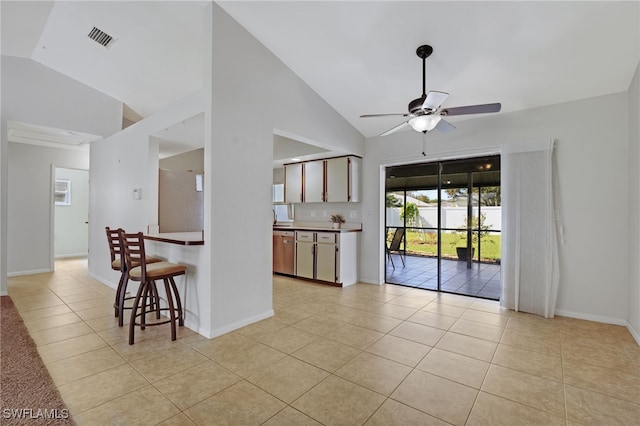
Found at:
(101, 37)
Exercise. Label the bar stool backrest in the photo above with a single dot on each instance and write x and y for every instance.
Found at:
(115, 248)
(133, 249)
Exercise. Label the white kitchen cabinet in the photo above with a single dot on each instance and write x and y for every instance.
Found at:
(337, 180)
(355, 165)
(305, 259)
(313, 178)
(293, 183)
(305, 254)
(334, 180)
(327, 256)
(342, 179)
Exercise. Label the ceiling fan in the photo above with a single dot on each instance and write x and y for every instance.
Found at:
(426, 112)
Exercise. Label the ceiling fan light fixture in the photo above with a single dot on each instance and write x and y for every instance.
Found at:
(424, 123)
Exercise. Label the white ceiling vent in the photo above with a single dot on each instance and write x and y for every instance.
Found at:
(101, 37)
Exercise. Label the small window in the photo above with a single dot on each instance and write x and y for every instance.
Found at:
(62, 192)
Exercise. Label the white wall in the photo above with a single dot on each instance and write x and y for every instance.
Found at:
(127, 160)
(34, 94)
(30, 204)
(593, 172)
(71, 233)
(229, 279)
(187, 161)
(634, 206)
(246, 74)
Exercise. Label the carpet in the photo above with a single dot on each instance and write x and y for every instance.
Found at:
(27, 392)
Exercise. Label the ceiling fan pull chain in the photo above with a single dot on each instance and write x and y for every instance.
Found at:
(424, 144)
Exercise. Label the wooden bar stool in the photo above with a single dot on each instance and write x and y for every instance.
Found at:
(118, 264)
(147, 274)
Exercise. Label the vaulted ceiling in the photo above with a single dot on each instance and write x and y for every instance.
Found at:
(359, 56)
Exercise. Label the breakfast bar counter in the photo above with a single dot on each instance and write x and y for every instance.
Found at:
(181, 238)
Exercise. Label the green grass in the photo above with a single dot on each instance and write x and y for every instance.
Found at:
(427, 244)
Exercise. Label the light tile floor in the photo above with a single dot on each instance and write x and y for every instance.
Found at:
(374, 355)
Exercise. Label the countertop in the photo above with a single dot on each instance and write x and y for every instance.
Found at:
(182, 238)
(317, 226)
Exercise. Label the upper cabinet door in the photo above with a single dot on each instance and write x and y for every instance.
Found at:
(314, 181)
(355, 166)
(337, 189)
(334, 180)
(293, 183)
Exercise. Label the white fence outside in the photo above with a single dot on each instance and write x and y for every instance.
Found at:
(452, 217)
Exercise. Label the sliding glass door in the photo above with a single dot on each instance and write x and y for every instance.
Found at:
(449, 214)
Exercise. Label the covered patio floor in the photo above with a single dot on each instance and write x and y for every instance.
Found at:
(482, 280)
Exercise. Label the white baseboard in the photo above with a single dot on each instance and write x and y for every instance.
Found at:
(634, 333)
(35, 271)
(103, 281)
(374, 281)
(590, 317)
(65, 256)
(196, 327)
(210, 334)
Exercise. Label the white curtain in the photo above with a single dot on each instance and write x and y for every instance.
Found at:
(530, 274)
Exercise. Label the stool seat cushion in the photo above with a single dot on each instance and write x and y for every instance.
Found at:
(150, 259)
(158, 270)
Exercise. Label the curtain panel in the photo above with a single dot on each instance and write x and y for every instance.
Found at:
(530, 272)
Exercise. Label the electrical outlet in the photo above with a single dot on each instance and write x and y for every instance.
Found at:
(353, 214)
(313, 213)
(324, 213)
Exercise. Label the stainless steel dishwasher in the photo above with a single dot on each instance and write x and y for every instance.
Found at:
(283, 252)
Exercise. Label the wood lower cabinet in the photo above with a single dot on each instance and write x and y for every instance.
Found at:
(327, 256)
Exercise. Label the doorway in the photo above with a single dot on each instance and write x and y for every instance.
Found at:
(450, 215)
(70, 212)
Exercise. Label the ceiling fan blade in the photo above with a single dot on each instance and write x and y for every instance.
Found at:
(394, 129)
(434, 100)
(472, 109)
(444, 126)
(383, 115)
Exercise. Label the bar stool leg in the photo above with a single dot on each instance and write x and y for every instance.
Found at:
(172, 312)
(122, 295)
(146, 303)
(178, 302)
(155, 303)
(117, 302)
(134, 313)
